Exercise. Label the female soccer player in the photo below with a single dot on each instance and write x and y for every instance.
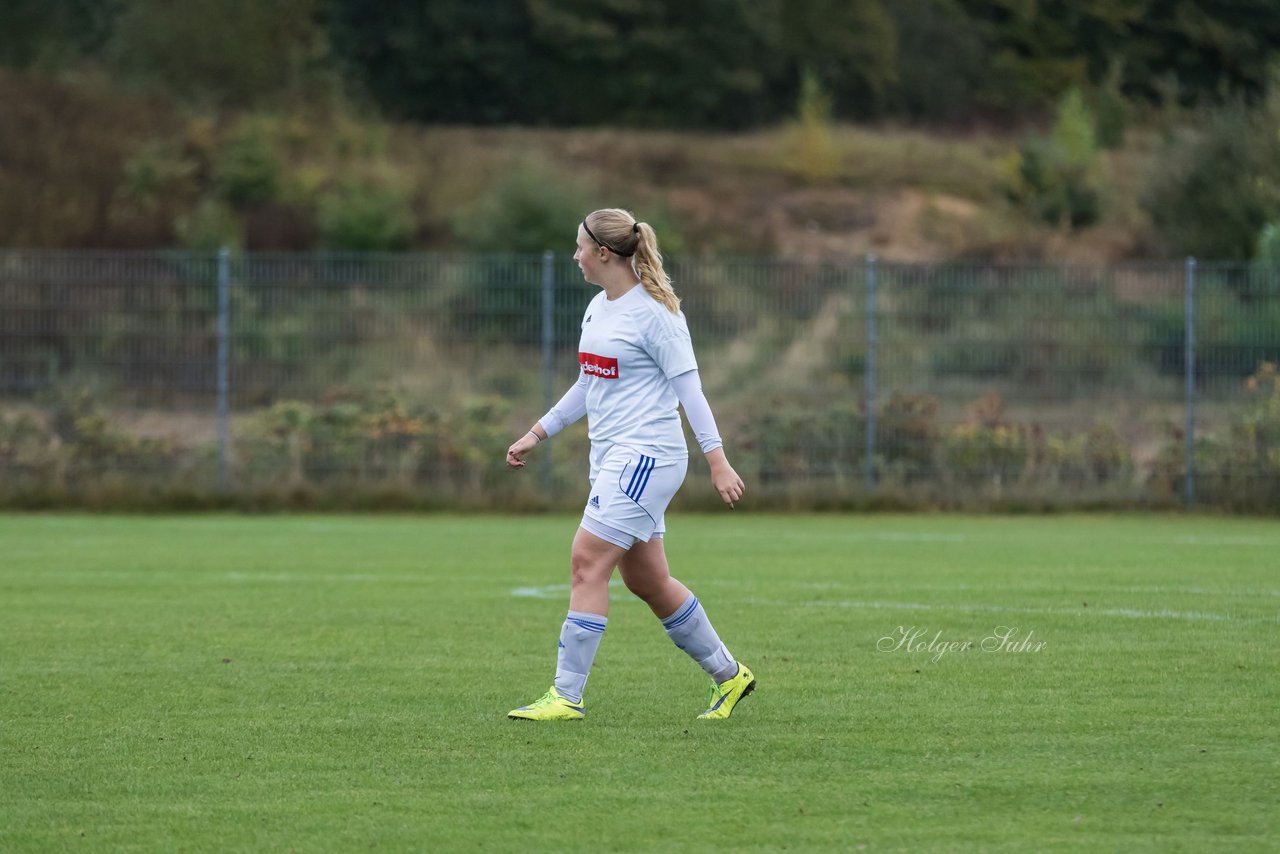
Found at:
(636, 360)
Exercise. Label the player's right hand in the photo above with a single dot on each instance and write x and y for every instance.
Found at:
(520, 447)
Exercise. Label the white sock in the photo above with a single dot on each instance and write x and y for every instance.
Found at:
(690, 630)
(579, 639)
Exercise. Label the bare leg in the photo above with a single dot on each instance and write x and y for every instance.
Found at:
(591, 565)
(646, 574)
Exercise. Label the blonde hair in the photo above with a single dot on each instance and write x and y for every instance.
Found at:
(618, 231)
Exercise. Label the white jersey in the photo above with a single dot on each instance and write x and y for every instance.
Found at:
(630, 349)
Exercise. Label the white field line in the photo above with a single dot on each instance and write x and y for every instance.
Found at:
(1135, 613)
(1073, 536)
(554, 591)
(201, 578)
(557, 591)
(1242, 540)
(1087, 589)
(1213, 591)
(292, 577)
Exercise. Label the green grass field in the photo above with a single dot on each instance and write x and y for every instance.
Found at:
(339, 683)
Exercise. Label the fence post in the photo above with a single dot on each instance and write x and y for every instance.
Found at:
(1189, 368)
(869, 463)
(548, 350)
(224, 353)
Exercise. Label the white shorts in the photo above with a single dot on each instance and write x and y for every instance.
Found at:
(630, 495)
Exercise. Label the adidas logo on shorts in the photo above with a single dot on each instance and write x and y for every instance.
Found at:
(595, 501)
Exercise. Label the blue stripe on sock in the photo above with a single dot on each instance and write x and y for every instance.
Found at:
(591, 627)
(680, 622)
(686, 617)
(676, 619)
(685, 611)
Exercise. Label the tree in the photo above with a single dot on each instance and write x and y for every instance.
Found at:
(941, 61)
(1211, 49)
(670, 63)
(52, 33)
(1040, 48)
(442, 61)
(228, 51)
(850, 46)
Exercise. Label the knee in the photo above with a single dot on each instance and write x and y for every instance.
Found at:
(646, 586)
(642, 587)
(586, 571)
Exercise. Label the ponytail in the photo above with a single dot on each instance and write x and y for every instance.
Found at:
(648, 264)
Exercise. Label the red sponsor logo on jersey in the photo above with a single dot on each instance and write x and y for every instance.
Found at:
(598, 366)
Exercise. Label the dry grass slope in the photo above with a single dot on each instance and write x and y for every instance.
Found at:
(94, 165)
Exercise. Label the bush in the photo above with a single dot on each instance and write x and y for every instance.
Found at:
(800, 442)
(1239, 468)
(1220, 187)
(90, 448)
(373, 438)
(986, 448)
(1268, 255)
(990, 449)
(533, 208)
(906, 437)
(1097, 457)
(1259, 427)
(29, 453)
(1058, 178)
(811, 152)
(159, 172)
(248, 172)
(363, 217)
(1111, 109)
(210, 226)
(378, 439)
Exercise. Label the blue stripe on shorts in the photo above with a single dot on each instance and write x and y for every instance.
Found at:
(640, 478)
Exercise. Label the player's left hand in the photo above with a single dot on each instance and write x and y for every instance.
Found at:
(728, 484)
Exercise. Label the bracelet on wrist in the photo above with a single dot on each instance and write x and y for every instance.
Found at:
(535, 436)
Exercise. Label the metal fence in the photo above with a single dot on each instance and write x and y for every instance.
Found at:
(401, 379)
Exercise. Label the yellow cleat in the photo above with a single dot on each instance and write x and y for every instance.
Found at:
(727, 694)
(550, 707)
